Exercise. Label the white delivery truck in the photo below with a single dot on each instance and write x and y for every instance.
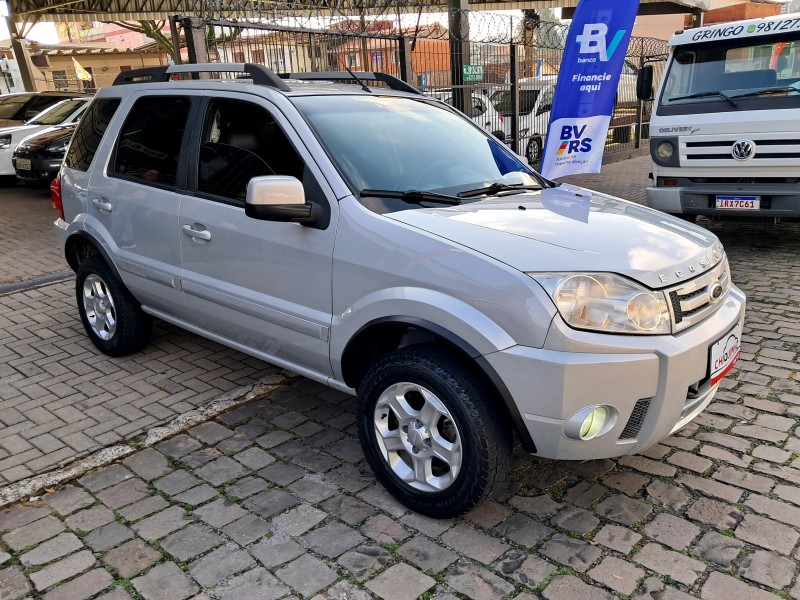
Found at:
(725, 127)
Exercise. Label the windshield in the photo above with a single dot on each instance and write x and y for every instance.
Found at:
(708, 73)
(58, 113)
(402, 144)
(501, 100)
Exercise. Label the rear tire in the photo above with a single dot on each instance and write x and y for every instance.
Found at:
(533, 151)
(430, 431)
(112, 317)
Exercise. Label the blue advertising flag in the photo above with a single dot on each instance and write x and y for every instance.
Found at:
(587, 84)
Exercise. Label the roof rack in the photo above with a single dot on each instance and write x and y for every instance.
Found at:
(260, 74)
(393, 82)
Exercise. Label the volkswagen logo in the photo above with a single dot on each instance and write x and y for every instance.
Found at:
(743, 150)
(715, 292)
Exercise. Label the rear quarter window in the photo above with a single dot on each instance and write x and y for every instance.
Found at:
(89, 133)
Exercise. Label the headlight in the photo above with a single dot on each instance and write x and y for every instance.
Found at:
(665, 150)
(58, 146)
(606, 302)
(5, 142)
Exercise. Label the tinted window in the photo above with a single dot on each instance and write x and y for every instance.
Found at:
(11, 105)
(241, 141)
(89, 133)
(58, 113)
(149, 144)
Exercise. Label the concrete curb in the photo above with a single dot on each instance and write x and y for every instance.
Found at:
(34, 485)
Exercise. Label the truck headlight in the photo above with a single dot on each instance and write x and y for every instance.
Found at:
(665, 150)
(5, 142)
(606, 302)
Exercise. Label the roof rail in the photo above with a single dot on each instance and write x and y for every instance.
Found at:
(260, 74)
(393, 82)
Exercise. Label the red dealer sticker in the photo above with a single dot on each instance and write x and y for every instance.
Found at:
(725, 353)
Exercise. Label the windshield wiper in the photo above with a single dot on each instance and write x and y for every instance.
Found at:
(705, 95)
(768, 92)
(412, 196)
(496, 188)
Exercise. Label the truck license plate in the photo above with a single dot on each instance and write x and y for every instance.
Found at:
(725, 353)
(739, 202)
(23, 164)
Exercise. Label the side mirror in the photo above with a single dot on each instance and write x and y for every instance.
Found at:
(279, 198)
(644, 83)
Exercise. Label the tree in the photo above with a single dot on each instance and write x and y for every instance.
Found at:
(540, 30)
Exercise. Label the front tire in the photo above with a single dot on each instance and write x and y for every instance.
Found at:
(533, 152)
(430, 432)
(111, 316)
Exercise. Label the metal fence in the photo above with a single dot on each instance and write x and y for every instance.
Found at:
(508, 57)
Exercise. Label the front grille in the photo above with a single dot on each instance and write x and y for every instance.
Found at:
(691, 302)
(768, 146)
(636, 420)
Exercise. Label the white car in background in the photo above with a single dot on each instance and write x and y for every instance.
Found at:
(482, 113)
(535, 104)
(66, 111)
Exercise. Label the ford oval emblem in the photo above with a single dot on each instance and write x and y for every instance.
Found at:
(715, 292)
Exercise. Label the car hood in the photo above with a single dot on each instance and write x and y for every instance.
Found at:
(49, 136)
(20, 131)
(568, 229)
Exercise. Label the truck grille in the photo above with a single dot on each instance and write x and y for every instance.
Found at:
(714, 151)
(691, 302)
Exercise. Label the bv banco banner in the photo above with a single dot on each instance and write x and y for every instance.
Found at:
(587, 83)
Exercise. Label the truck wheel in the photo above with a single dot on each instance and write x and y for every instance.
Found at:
(111, 316)
(430, 433)
(533, 152)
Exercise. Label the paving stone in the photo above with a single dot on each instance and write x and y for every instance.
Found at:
(105, 477)
(626, 482)
(488, 514)
(219, 565)
(672, 564)
(620, 575)
(273, 438)
(270, 502)
(645, 465)
(718, 454)
(82, 587)
(124, 493)
(724, 587)
(529, 570)
(220, 512)
(190, 541)
(299, 520)
(719, 549)
(244, 488)
(384, 530)
(67, 500)
(768, 569)
(573, 553)
(145, 507)
(714, 513)
(617, 538)
(148, 464)
(106, 537)
(61, 570)
(541, 506)
(247, 530)
(306, 575)
(400, 582)
(576, 519)
(523, 530)
(731, 442)
(672, 531)
(4, 557)
(767, 534)
(585, 494)
(350, 510)
(377, 496)
(426, 555)
(350, 478)
(165, 582)
(790, 493)
(710, 487)
(162, 524)
(221, 471)
(59, 546)
(210, 433)
(344, 590)
(118, 593)
(33, 533)
(667, 495)
(771, 454)
(281, 473)
(254, 458)
(89, 519)
(196, 495)
(256, 583)
(749, 481)
(272, 553)
(365, 560)
(178, 446)
(131, 558)
(176, 482)
(654, 589)
(569, 587)
(313, 491)
(15, 584)
(333, 539)
(622, 509)
(475, 583)
(475, 544)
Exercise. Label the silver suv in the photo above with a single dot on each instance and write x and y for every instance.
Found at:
(380, 242)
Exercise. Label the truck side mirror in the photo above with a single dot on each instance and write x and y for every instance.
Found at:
(644, 83)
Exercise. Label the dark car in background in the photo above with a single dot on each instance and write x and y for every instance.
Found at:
(38, 157)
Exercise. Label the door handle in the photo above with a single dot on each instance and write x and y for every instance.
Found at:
(200, 234)
(102, 204)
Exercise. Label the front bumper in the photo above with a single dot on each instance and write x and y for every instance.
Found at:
(657, 384)
(43, 170)
(777, 201)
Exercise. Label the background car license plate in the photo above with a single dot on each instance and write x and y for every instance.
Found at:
(739, 202)
(23, 164)
(725, 353)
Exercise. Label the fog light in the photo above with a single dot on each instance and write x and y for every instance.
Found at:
(590, 422)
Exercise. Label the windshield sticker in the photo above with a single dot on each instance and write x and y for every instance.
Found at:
(753, 28)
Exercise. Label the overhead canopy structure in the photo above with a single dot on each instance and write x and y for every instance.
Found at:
(134, 10)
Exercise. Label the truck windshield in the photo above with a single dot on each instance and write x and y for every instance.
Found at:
(404, 144)
(756, 68)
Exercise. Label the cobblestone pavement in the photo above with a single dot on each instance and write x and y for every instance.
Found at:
(272, 499)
